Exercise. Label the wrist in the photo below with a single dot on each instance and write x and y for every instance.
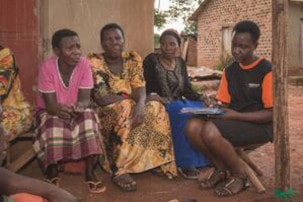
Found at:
(83, 105)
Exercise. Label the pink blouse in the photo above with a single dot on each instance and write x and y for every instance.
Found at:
(50, 81)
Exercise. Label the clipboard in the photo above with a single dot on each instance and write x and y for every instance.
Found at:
(201, 111)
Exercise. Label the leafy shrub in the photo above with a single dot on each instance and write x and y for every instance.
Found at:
(224, 62)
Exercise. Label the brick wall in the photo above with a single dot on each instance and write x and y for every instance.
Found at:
(226, 13)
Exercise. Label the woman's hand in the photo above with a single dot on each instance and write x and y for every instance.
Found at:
(64, 111)
(156, 97)
(137, 117)
(228, 114)
(209, 101)
(113, 98)
(78, 109)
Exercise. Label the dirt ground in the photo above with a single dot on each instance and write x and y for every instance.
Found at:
(153, 188)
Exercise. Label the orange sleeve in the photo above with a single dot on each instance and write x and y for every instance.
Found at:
(267, 91)
(223, 94)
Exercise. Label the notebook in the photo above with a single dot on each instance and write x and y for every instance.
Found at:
(203, 111)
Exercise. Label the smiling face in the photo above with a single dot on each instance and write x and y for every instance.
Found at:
(243, 47)
(169, 46)
(69, 51)
(112, 42)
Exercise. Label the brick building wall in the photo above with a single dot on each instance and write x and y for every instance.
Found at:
(219, 14)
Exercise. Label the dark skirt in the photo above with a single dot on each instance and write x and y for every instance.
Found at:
(242, 133)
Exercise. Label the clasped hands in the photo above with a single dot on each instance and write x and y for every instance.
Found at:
(69, 112)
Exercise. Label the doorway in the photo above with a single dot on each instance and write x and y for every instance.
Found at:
(226, 55)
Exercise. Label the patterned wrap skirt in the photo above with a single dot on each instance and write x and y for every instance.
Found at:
(58, 140)
(135, 150)
(17, 114)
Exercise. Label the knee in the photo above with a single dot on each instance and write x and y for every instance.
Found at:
(193, 128)
(203, 130)
(210, 133)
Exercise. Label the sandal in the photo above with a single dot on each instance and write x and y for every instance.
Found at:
(55, 181)
(190, 173)
(95, 187)
(157, 171)
(215, 177)
(232, 186)
(125, 182)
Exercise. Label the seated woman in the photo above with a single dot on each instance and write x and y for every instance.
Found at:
(17, 113)
(66, 127)
(246, 90)
(137, 134)
(167, 81)
(26, 189)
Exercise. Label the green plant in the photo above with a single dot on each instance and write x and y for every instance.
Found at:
(224, 61)
(196, 88)
(156, 40)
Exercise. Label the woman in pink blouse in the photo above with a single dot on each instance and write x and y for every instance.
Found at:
(66, 127)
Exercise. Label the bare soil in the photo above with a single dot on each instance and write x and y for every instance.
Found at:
(153, 188)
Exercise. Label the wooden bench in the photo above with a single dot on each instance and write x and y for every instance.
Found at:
(25, 157)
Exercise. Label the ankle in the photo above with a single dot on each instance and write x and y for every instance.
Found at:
(241, 175)
(90, 175)
(52, 172)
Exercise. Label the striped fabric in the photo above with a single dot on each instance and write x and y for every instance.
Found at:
(60, 140)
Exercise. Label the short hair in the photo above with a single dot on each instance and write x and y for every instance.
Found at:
(171, 32)
(250, 27)
(108, 27)
(60, 34)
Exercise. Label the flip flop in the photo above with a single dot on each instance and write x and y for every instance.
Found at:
(95, 187)
(125, 182)
(188, 173)
(157, 171)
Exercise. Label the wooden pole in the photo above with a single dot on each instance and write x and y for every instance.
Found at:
(280, 75)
